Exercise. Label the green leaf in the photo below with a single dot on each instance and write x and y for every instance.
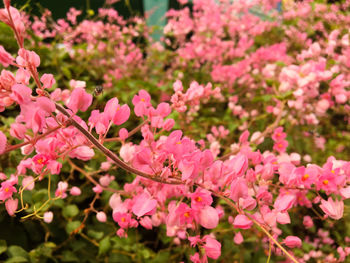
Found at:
(95, 234)
(14, 251)
(69, 256)
(71, 226)
(145, 253)
(66, 72)
(3, 246)
(40, 195)
(70, 211)
(264, 98)
(105, 245)
(16, 259)
(161, 257)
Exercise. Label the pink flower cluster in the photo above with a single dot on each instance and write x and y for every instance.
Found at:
(179, 181)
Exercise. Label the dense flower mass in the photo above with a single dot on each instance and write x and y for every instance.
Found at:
(233, 129)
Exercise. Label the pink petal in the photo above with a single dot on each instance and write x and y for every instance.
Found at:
(143, 204)
(208, 217)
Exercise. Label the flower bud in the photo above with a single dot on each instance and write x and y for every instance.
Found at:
(75, 191)
(48, 216)
(292, 241)
(101, 217)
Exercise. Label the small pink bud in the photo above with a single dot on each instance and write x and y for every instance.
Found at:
(48, 216)
(292, 241)
(97, 189)
(243, 222)
(121, 233)
(105, 166)
(307, 221)
(212, 247)
(238, 239)
(123, 134)
(75, 191)
(11, 206)
(101, 217)
(106, 180)
(146, 222)
(3, 176)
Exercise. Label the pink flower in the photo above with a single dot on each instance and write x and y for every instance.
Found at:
(28, 183)
(345, 192)
(123, 134)
(106, 180)
(200, 198)
(238, 239)
(34, 116)
(97, 189)
(6, 190)
(45, 104)
(239, 164)
(17, 130)
(163, 109)
(292, 241)
(141, 103)
(307, 221)
(11, 206)
(280, 146)
(212, 247)
(168, 124)
(39, 161)
(23, 76)
(48, 80)
(327, 181)
(82, 152)
(5, 58)
(283, 218)
(48, 216)
(243, 222)
(334, 209)
(208, 217)
(54, 166)
(146, 222)
(239, 189)
(278, 134)
(21, 93)
(75, 191)
(184, 213)
(61, 189)
(144, 204)
(77, 84)
(101, 216)
(123, 219)
(3, 176)
(121, 115)
(195, 258)
(110, 108)
(285, 202)
(28, 58)
(142, 97)
(308, 175)
(3, 141)
(79, 100)
(121, 233)
(194, 240)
